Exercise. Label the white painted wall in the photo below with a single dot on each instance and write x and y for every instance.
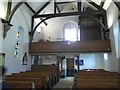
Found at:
(54, 29)
(92, 61)
(116, 35)
(21, 18)
(119, 47)
(38, 35)
(2, 15)
(1, 37)
(112, 14)
(119, 39)
(50, 59)
(118, 65)
(112, 63)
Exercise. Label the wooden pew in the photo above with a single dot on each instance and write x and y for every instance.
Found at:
(45, 82)
(96, 86)
(50, 75)
(38, 75)
(47, 74)
(98, 76)
(37, 81)
(96, 80)
(24, 85)
(49, 68)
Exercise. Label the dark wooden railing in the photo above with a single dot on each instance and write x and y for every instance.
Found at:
(70, 47)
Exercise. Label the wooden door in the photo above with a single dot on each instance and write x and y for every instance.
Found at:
(70, 63)
(70, 67)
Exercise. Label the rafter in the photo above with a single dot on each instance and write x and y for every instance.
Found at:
(70, 14)
(102, 3)
(34, 12)
(66, 2)
(79, 6)
(30, 7)
(95, 5)
(9, 8)
(81, 13)
(55, 6)
(4, 21)
(43, 7)
(58, 8)
(14, 10)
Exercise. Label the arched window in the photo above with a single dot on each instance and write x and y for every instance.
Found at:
(71, 31)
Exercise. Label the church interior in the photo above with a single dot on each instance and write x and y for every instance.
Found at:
(83, 53)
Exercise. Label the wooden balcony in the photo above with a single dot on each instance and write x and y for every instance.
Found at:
(70, 47)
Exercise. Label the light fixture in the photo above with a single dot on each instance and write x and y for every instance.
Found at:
(39, 29)
(69, 42)
(105, 56)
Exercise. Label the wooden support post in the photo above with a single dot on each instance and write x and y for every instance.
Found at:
(9, 9)
(79, 6)
(55, 6)
(78, 64)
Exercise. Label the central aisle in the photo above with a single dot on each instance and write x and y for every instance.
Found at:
(64, 83)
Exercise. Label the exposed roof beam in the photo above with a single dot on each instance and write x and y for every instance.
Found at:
(55, 6)
(95, 5)
(32, 25)
(102, 3)
(9, 8)
(30, 7)
(79, 6)
(14, 10)
(4, 21)
(70, 14)
(118, 5)
(58, 8)
(79, 10)
(105, 19)
(65, 2)
(43, 7)
(34, 12)
(48, 16)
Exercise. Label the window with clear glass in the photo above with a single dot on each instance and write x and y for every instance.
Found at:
(71, 32)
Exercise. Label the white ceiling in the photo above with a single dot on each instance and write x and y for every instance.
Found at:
(37, 4)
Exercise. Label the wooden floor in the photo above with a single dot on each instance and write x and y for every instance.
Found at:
(64, 84)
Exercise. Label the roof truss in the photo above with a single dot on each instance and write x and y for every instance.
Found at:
(100, 11)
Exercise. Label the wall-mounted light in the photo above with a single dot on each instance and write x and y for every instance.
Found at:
(69, 42)
(105, 56)
(39, 29)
